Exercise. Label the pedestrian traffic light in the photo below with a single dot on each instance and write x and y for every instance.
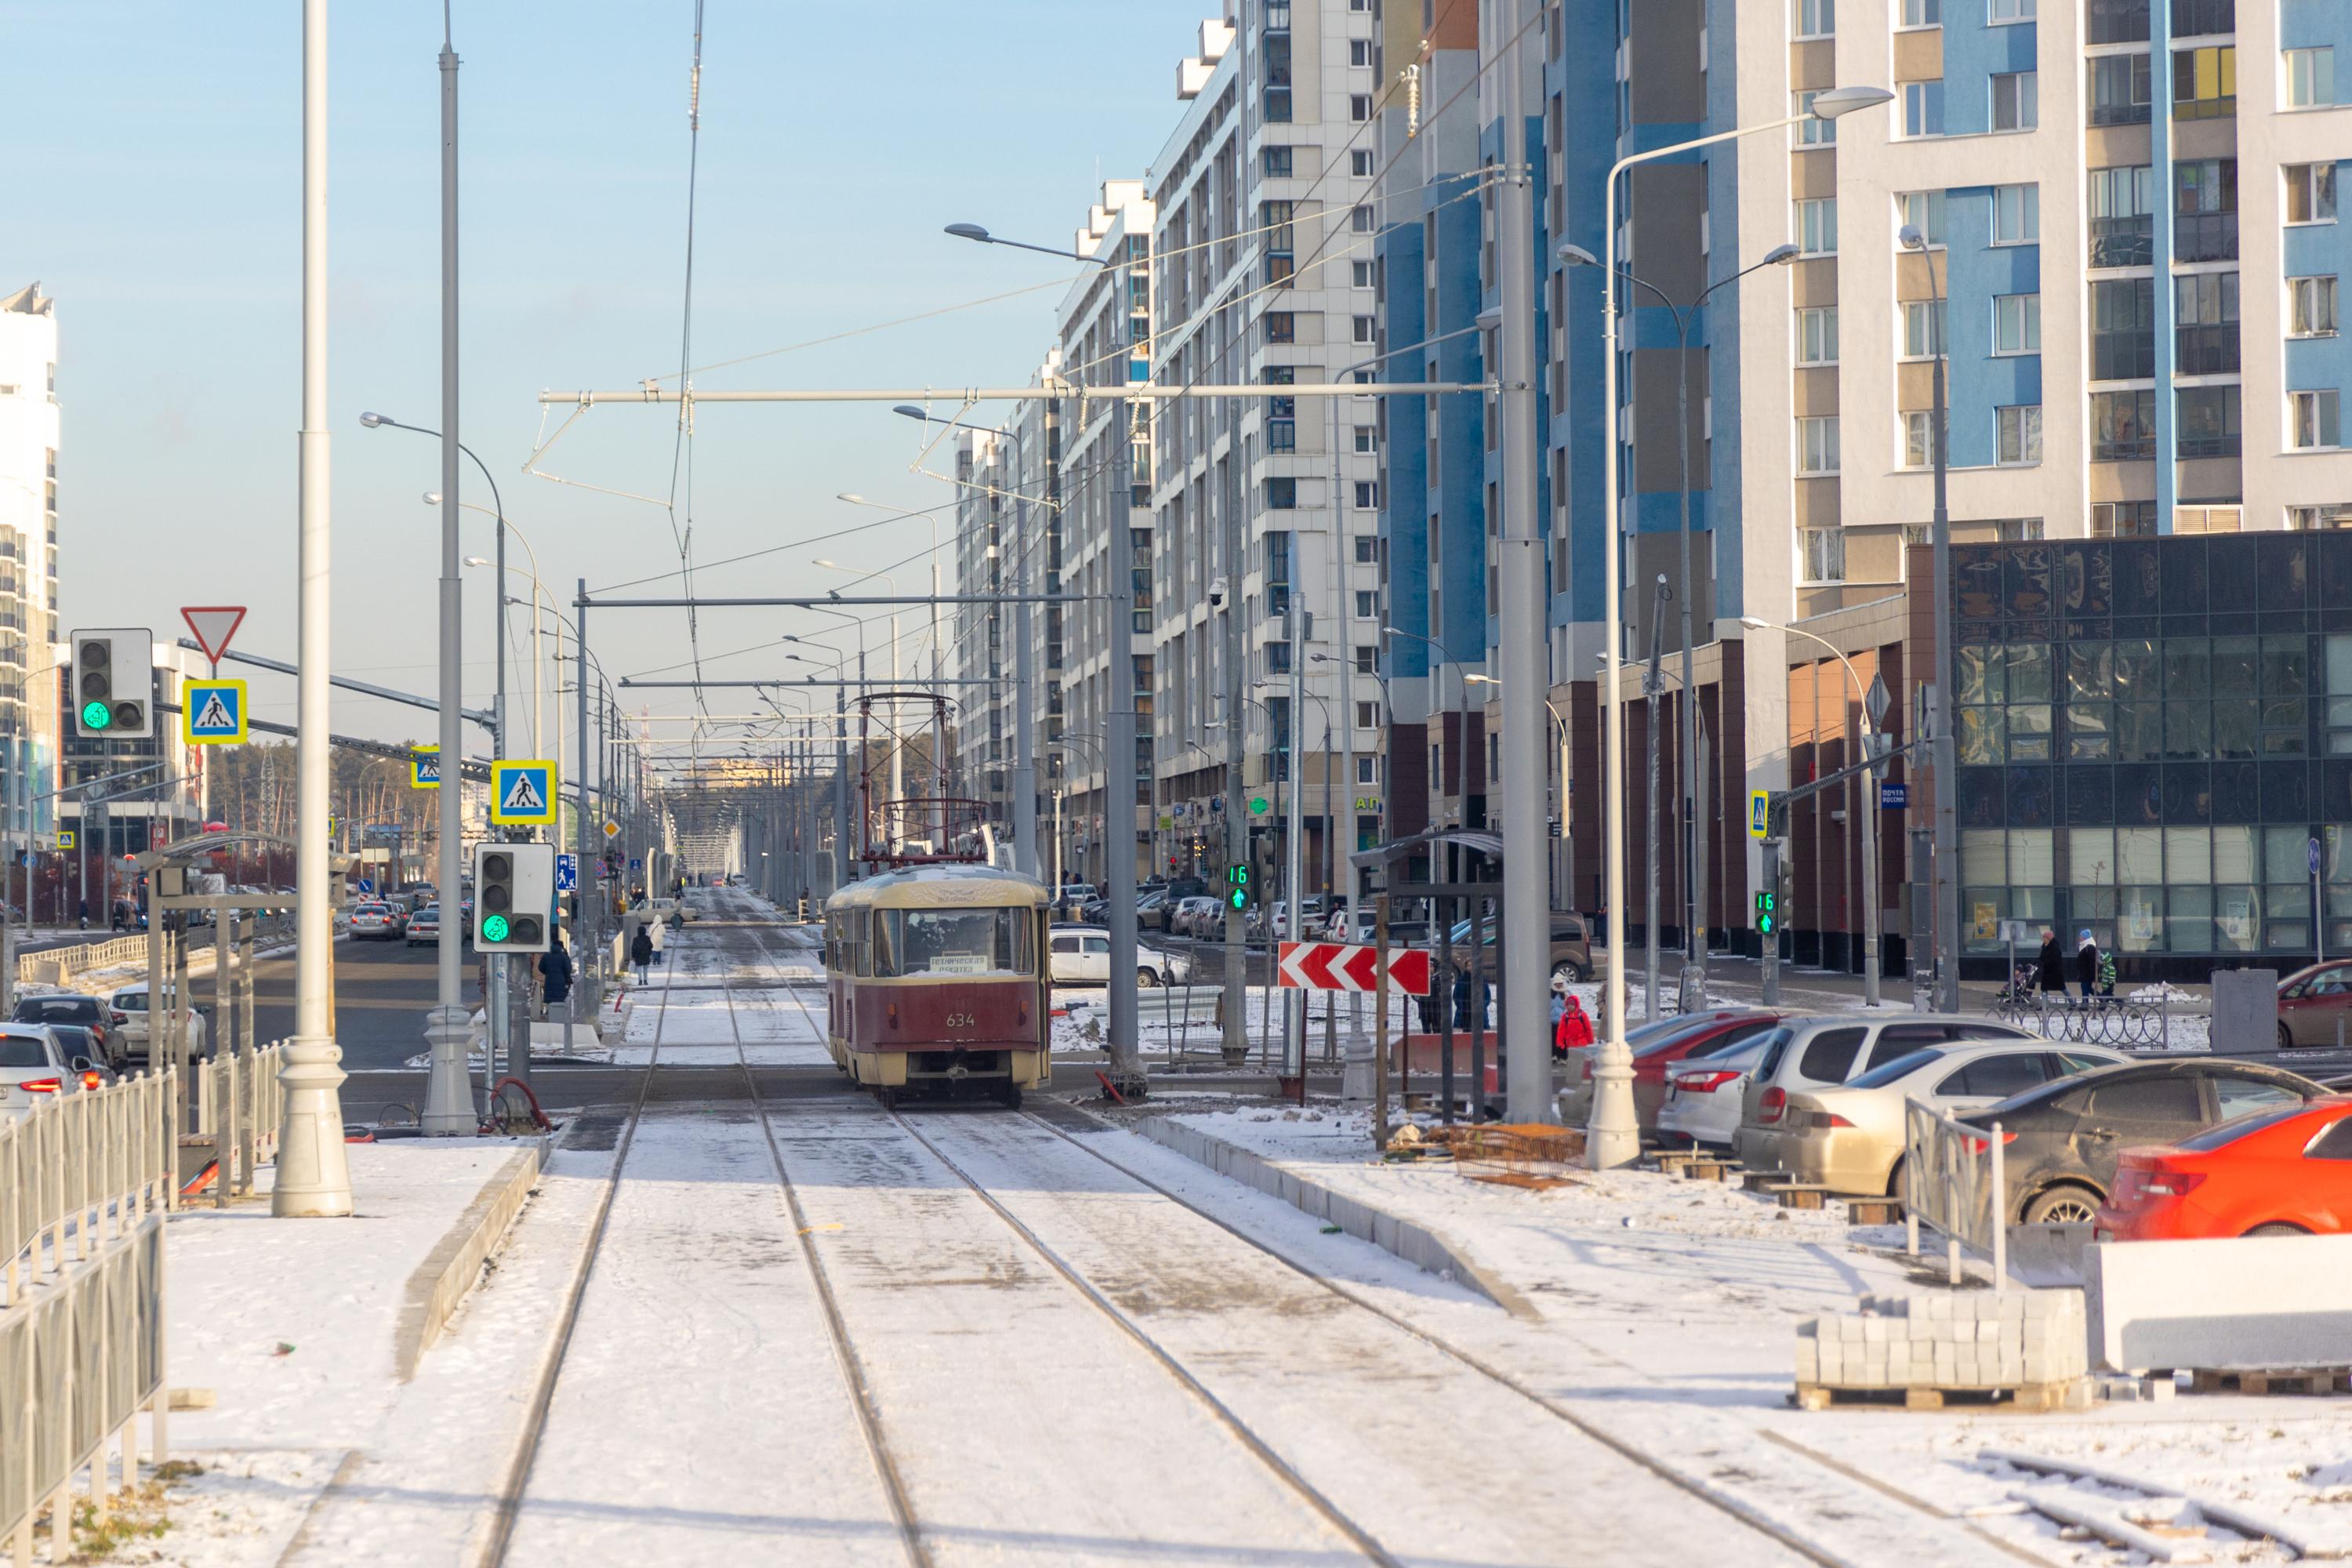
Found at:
(514, 894)
(1768, 914)
(1237, 887)
(114, 683)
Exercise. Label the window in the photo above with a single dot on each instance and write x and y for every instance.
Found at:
(2209, 424)
(2016, 100)
(1367, 495)
(2234, 1096)
(2336, 1143)
(1923, 328)
(1367, 658)
(2214, 520)
(1923, 106)
(2311, 419)
(2311, 307)
(1359, 274)
(1812, 18)
(2123, 329)
(1281, 495)
(1364, 606)
(2123, 424)
(1810, 132)
(1817, 445)
(1917, 423)
(1275, 163)
(1817, 336)
(2117, 22)
(2012, 11)
(2017, 530)
(2205, 306)
(2148, 1099)
(1367, 549)
(1998, 1077)
(2205, 83)
(2205, 198)
(2312, 518)
(1922, 14)
(1922, 210)
(1368, 716)
(1360, 51)
(1361, 328)
(2123, 200)
(1281, 327)
(1360, 106)
(2311, 192)
(2017, 324)
(2310, 79)
(2195, 18)
(1823, 551)
(2123, 520)
(2016, 215)
(1816, 227)
(2017, 435)
(1363, 437)
(1360, 220)
(2119, 90)
(1360, 162)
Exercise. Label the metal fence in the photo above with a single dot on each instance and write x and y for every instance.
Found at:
(98, 1161)
(238, 1104)
(80, 1358)
(61, 965)
(2103, 1020)
(1953, 1182)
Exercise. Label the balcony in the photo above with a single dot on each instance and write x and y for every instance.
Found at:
(2122, 356)
(2199, 18)
(2118, 114)
(2206, 349)
(2205, 236)
(2123, 241)
(2217, 445)
(2115, 21)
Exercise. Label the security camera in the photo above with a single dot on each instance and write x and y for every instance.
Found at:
(1217, 594)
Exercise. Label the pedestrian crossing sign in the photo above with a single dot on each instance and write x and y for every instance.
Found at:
(522, 792)
(67, 838)
(211, 712)
(1759, 813)
(425, 767)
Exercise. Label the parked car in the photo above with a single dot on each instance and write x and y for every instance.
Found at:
(1344, 924)
(1658, 1048)
(1148, 904)
(1701, 1106)
(36, 1065)
(1849, 1139)
(2062, 1141)
(2312, 1002)
(375, 920)
(1571, 946)
(1199, 917)
(2286, 1171)
(425, 926)
(1081, 956)
(93, 1013)
(1834, 1048)
(1310, 916)
(128, 1006)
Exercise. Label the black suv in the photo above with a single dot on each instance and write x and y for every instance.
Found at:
(89, 1013)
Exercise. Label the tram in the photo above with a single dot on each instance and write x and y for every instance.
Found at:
(936, 983)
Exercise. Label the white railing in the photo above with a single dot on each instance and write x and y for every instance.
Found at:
(1953, 1181)
(99, 1160)
(238, 1101)
(80, 1358)
(61, 965)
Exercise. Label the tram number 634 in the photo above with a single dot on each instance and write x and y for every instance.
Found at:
(961, 1021)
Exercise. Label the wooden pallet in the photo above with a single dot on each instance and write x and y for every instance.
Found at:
(2299, 1380)
(1874, 1211)
(2023, 1397)
(1763, 1181)
(1708, 1170)
(1801, 1194)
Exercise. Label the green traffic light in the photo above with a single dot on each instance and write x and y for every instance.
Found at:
(1240, 900)
(494, 928)
(97, 716)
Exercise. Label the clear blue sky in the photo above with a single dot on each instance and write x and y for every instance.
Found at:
(154, 158)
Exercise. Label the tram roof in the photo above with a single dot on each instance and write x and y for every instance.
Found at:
(942, 887)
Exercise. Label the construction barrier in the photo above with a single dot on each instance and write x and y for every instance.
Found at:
(1953, 1183)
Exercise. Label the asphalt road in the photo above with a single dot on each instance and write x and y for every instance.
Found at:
(382, 991)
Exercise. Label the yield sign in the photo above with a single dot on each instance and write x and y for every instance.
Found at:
(213, 624)
(1345, 966)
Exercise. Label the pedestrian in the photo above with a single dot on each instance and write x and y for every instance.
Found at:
(656, 926)
(2106, 974)
(82, 909)
(555, 974)
(641, 952)
(1469, 1011)
(1575, 1027)
(2052, 964)
(1558, 998)
(2086, 964)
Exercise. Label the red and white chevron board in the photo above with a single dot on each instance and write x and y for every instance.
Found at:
(1343, 966)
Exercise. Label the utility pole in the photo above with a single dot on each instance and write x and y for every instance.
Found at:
(1120, 741)
(1525, 654)
(1024, 669)
(1236, 1033)
(1654, 685)
(314, 1178)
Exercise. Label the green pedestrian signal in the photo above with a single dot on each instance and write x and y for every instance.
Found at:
(1768, 914)
(1237, 893)
(1240, 899)
(97, 716)
(494, 928)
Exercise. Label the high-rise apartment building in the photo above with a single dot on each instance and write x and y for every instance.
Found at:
(29, 557)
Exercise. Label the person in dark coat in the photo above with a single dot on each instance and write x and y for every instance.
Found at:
(641, 950)
(2053, 963)
(555, 974)
(1469, 1013)
(2086, 965)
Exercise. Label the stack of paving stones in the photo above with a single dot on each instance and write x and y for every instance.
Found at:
(2033, 1344)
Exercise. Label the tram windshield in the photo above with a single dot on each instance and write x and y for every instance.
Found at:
(954, 941)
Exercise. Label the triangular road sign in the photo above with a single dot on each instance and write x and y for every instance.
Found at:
(213, 624)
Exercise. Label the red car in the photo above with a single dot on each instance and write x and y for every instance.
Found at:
(1687, 1036)
(2282, 1172)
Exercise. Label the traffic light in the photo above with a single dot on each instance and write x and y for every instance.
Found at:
(514, 893)
(114, 683)
(1237, 887)
(1768, 914)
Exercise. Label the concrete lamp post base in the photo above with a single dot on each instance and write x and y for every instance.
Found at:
(449, 1093)
(314, 1176)
(1612, 1137)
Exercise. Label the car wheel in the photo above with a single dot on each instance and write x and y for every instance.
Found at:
(2286, 1040)
(2064, 1204)
(1894, 1179)
(2278, 1230)
(1146, 979)
(1569, 970)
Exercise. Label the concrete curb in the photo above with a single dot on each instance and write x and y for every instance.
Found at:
(455, 1265)
(1416, 1244)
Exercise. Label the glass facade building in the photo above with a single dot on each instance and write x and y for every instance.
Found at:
(2152, 734)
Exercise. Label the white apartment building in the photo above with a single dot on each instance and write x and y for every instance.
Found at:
(28, 555)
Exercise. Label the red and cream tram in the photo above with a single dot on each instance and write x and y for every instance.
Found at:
(936, 985)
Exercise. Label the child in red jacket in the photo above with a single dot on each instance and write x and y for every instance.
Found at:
(1575, 1027)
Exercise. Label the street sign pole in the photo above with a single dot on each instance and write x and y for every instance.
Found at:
(2318, 909)
(1768, 878)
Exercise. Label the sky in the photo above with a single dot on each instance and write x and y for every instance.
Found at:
(152, 154)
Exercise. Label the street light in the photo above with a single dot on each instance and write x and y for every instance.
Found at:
(1870, 805)
(897, 753)
(1693, 983)
(1946, 981)
(1612, 1136)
